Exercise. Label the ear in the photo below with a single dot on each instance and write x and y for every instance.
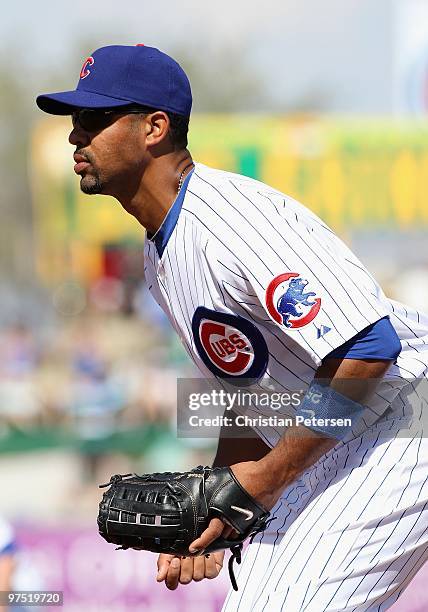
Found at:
(157, 128)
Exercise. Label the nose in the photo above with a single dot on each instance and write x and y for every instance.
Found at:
(78, 136)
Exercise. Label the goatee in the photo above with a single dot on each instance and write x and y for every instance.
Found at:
(90, 185)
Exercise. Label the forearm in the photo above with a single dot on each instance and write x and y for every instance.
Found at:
(233, 449)
(296, 451)
(300, 447)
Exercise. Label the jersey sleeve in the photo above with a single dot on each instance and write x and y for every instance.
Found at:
(303, 279)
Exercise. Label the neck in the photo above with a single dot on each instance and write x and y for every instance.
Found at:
(158, 189)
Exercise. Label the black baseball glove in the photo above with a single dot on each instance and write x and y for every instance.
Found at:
(166, 512)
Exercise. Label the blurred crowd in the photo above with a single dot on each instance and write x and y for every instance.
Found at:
(102, 381)
(91, 373)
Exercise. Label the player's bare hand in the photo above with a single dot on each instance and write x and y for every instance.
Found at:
(175, 570)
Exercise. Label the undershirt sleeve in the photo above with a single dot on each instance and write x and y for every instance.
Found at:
(377, 341)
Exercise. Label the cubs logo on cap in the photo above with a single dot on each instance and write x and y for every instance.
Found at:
(230, 346)
(290, 302)
(84, 72)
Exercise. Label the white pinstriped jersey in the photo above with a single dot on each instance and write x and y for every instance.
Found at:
(256, 285)
(234, 249)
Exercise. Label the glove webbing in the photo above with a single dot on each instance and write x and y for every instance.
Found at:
(122, 477)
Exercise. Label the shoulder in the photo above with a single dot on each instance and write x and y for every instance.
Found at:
(238, 207)
(247, 197)
(225, 180)
(227, 202)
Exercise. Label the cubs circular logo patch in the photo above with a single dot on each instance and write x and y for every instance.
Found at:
(229, 345)
(290, 302)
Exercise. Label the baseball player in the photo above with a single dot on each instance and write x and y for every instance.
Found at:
(258, 287)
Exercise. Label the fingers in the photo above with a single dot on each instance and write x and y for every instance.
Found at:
(199, 567)
(211, 533)
(212, 567)
(187, 570)
(184, 570)
(219, 558)
(174, 570)
(192, 568)
(163, 566)
(173, 574)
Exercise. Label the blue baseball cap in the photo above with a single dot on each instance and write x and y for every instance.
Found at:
(119, 75)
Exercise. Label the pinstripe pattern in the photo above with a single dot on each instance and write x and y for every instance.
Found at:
(350, 533)
(332, 548)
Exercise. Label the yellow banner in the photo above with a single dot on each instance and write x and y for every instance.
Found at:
(354, 173)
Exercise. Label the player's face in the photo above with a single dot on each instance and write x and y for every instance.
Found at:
(109, 155)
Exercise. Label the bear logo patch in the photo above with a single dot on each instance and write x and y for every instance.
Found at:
(289, 303)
